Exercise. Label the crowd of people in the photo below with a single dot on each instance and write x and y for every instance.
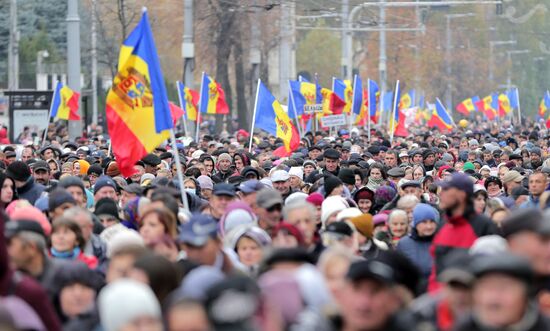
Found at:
(349, 232)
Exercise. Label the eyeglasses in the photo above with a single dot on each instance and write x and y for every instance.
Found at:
(275, 207)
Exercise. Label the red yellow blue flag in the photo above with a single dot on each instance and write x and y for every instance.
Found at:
(466, 107)
(332, 104)
(344, 90)
(64, 103)
(138, 113)
(440, 118)
(189, 100)
(503, 105)
(397, 119)
(301, 93)
(271, 117)
(212, 97)
(544, 104)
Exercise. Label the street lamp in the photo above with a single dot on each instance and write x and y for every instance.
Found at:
(492, 45)
(41, 84)
(449, 94)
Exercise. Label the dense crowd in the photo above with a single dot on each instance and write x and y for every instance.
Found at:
(430, 232)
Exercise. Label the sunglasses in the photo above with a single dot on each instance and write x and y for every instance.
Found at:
(275, 207)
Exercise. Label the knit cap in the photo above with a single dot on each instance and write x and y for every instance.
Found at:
(423, 212)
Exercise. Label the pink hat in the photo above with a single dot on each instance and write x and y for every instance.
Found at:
(380, 219)
(30, 213)
(315, 199)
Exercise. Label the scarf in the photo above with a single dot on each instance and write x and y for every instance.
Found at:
(65, 255)
(374, 184)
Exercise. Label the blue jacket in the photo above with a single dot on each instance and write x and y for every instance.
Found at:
(417, 249)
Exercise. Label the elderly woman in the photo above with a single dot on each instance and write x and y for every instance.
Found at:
(249, 243)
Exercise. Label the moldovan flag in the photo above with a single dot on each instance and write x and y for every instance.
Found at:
(343, 89)
(212, 97)
(440, 118)
(503, 105)
(397, 119)
(466, 107)
(485, 106)
(544, 104)
(189, 100)
(373, 95)
(357, 103)
(301, 93)
(64, 103)
(270, 116)
(332, 104)
(138, 113)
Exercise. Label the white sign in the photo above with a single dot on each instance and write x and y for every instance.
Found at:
(310, 109)
(333, 120)
(35, 119)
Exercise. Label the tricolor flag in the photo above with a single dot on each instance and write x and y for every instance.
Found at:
(466, 107)
(332, 104)
(485, 106)
(301, 93)
(189, 99)
(503, 105)
(343, 89)
(357, 103)
(397, 120)
(373, 95)
(544, 104)
(270, 117)
(64, 103)
(138, 113)
(212, 97)
(440, 118)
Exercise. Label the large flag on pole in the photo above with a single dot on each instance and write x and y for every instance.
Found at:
(301, 93)
(270, 117)
(504, 105)
(373, 94)
(64, 103)
(397, 119)
(357, 98)
(344, 90)
(544, 104)
(138, 113)
(466, 107)
(440, 117)
(190, 100)
(212, 97)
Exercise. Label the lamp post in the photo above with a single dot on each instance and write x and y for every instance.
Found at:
(41, 83)
(448, 92)
(492, 45)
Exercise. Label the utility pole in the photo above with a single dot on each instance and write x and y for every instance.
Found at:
(382, 66)
(255, 53)
(94, 61)
(13, 52)
(347, 47)
(285, 52)
(73, 60)
(449, 69)
(188, 50)
(492, 45)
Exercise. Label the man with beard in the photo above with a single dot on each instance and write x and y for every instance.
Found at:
(462, 225)
(41, 172)
(536, 159)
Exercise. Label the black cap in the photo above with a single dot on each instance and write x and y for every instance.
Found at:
(151, 159)
(224, 189)
(106, 206)
(14, 227)
(397, 172)
(331, 154)
(19, 171)
(40, 165)
(526, 220)
(411, 183)
(341, 228)
(389, 267)
(503, 263)
(347, 176)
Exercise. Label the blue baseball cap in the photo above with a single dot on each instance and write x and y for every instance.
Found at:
(251, 186)
(198, 230)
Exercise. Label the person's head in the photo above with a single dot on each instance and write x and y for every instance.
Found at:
(493, 185)
(105, 187)
(407, 204)
(334, 263)
(151, 163)
(123, 250)
(187, 315)
(199, 239)
(333, 186)
(269, 204)
(27, 154)
(411, 187)
(364, 198)
(281, 181)
(128, 305)
(455, 193)
(41, 172)
(502, 289)
(157, 272)
(26, 244)
(19, 172)
(222, 195)
(480, 200)
(390, 159)
(155, 223)
(7, 190)
(425, 219)
(224, 162)
(376, 172)
(537, 183)
(331, 158)
(249, 244)
(106, 210)
(398, 223)
(302, 215)
(66, 235)
(75, 187)
(59, 200)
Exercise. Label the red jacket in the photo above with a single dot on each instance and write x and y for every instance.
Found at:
(458, 233)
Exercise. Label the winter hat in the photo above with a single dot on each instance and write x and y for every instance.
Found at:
(19, 171)
(122, 301)
(468, 166)
(106, 206)
(423, 212)
(237, 213)
(289, 229)
(384, 194)
(489, 245)
(69, 181)
(296, 196)
(198, 281)
(380, 219)
(332, 205)
(112, 169)
(84, 166)
(331, 183)
(296, 171)
(95, 169)
(315, 199)
(120, 239)
(348, 213)
(364, 224)
(104, 181)
(347, 176)
(30, 213)
(205, 182)
(224, 156)
(363, 194)
(58, 197)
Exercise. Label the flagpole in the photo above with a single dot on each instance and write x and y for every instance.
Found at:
(179, 170)
(182, 105)
(368, 108)
(199, 111)
(395, 106)
(519, 106)
(49, 116)
(295, 112)
(254, 117)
